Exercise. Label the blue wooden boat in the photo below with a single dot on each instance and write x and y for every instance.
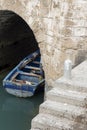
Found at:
(26, 78)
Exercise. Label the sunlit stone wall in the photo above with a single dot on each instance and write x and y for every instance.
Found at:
(60, 27)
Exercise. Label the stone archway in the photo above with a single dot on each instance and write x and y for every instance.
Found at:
(17, 40)
(58, 26)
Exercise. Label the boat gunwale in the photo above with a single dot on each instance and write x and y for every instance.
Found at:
(20, 63)
(8, 80)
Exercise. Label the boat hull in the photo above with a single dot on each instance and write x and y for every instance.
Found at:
(19, 93)
(26, 78)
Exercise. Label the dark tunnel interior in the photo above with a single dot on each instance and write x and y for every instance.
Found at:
(17, 39)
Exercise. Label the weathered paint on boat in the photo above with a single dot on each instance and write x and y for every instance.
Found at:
(26, 77)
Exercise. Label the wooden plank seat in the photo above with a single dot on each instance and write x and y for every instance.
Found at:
(18, 81)
(33, 68)
(36, 62)
(30, 74)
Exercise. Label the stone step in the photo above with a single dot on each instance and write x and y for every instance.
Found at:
(71, 85)
(49, 122)
(68, 96)
(64, 110)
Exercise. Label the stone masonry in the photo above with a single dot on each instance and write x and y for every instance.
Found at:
(66, 104)
(59, 26)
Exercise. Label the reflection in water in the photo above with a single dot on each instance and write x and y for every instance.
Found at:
(17, 113)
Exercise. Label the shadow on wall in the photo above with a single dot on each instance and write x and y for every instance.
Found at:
(17, 40)
(82, 55)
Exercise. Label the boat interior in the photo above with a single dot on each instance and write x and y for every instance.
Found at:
(29, 74)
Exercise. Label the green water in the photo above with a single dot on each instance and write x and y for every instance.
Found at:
(17, 113)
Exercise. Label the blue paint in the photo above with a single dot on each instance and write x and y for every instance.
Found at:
(24, 88)
(27, 75)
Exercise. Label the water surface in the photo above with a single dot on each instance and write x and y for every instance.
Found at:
(17, 113)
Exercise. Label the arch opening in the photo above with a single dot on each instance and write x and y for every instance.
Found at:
(17, 39)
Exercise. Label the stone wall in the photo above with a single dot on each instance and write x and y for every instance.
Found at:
(65, 32)
(60, 27)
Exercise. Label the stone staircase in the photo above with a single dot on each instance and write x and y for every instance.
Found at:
(66, 104)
